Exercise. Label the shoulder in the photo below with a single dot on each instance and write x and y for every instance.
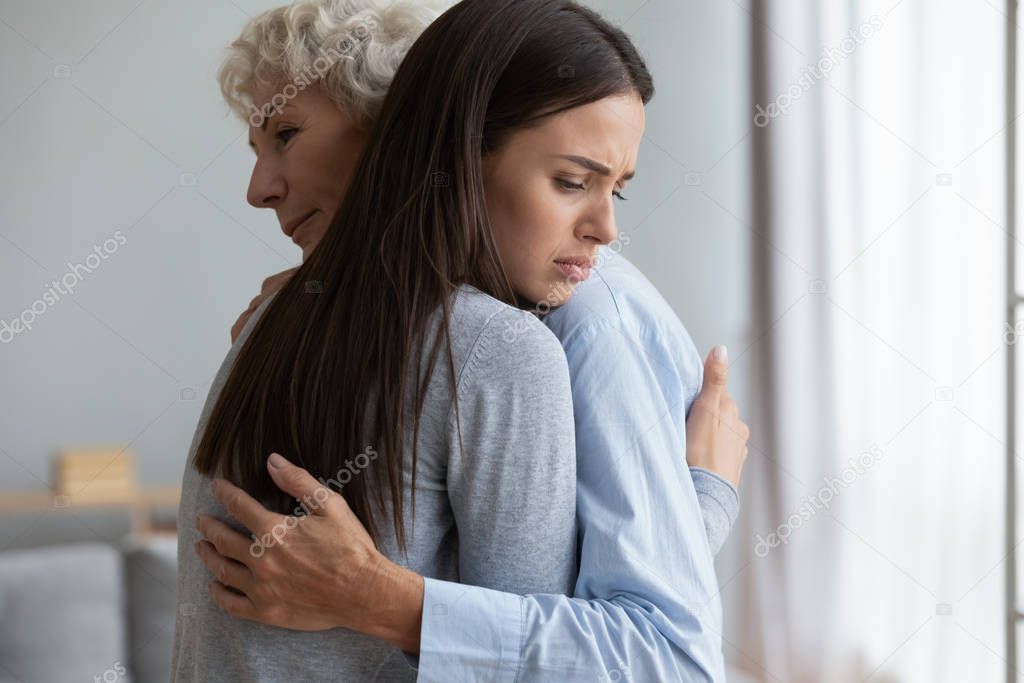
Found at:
(503, 345)
(617, 295)
(250, 324)
(619, 307)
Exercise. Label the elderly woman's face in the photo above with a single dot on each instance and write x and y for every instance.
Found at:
(305, 157)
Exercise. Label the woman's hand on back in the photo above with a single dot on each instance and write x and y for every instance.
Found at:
(716, 437)
(272, 284)
(307, 573)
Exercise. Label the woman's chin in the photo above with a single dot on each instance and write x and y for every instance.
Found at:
(544, 297)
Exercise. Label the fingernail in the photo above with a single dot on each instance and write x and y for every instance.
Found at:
(277, 462)
(720, 353)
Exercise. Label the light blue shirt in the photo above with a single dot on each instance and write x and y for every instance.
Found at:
(646, 604)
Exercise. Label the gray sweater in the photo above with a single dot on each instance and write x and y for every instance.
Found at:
(501, 514)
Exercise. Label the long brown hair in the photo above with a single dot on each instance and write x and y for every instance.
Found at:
(340, 357)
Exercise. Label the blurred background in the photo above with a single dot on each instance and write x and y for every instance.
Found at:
(827, 188)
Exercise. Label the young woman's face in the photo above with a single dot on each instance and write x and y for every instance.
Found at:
(551, 190)
(305, 157)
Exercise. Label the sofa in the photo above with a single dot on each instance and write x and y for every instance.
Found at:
(89, 611)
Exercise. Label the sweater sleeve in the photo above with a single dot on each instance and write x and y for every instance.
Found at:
(512, 485)
(719, 505)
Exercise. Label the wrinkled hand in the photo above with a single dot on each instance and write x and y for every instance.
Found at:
(307, 573)
(272, 284)
(716, 437)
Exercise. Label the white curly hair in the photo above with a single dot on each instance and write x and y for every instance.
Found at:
(351, 47)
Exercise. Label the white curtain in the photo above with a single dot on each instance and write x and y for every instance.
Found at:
(879, 201)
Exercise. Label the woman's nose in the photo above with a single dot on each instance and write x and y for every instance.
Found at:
(600, 226)
(266, 186)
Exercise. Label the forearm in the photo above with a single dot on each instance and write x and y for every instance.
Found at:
(472, 633)
(605, 633)
(646, 600)
(397, 612)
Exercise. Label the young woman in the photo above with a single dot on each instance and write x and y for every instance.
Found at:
(524, 215)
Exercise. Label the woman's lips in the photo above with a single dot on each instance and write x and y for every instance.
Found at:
(574, 269)
(297, 234)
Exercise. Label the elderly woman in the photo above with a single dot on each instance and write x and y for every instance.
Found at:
(549, 133)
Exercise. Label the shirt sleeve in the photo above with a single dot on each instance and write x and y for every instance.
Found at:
(719, 505)
(646, 605)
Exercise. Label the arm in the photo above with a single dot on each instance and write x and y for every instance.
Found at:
(646, 605)
(513, 485)
(719, 507)
(513, 491)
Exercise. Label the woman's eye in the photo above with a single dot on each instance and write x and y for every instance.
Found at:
(568, 184)
(284, 132)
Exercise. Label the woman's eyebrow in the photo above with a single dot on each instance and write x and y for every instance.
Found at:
(594, 166)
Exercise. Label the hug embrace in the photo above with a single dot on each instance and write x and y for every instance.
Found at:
(465, 440)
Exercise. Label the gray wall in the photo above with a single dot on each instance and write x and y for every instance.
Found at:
(110, 120)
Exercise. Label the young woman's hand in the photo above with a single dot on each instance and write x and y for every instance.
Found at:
(716, 437)
(272, 284)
